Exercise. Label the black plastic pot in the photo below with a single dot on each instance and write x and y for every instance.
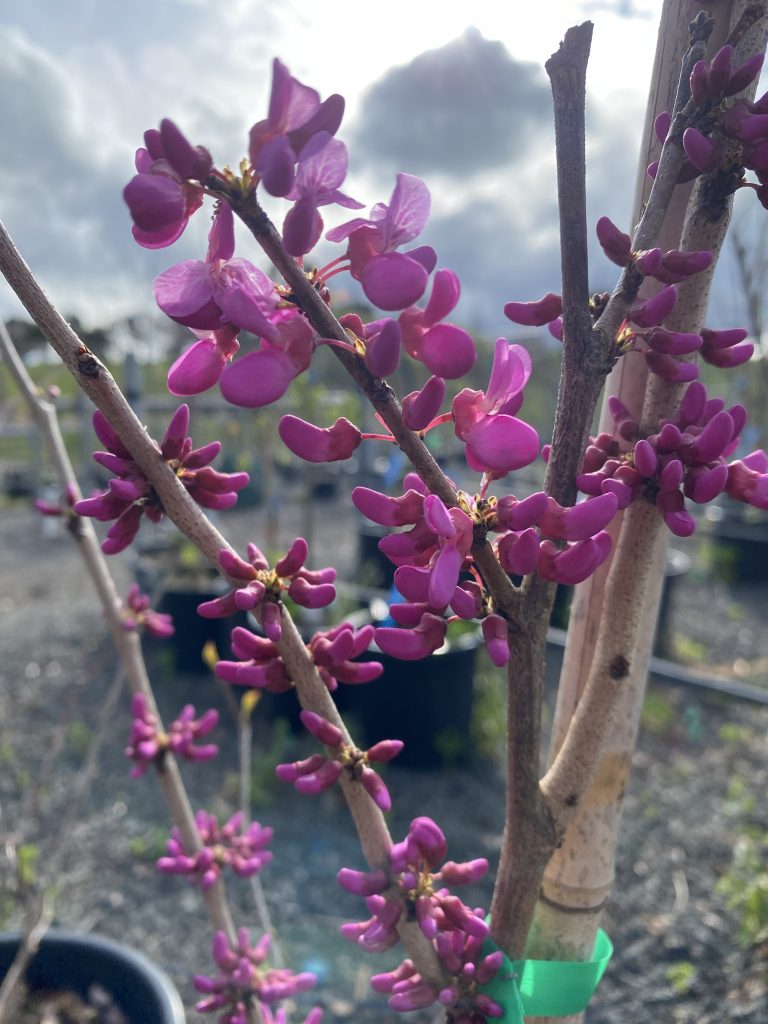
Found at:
(192, 631)
(740, 552)
(73, 961)
(374, 568)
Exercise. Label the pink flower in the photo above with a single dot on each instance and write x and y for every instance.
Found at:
(390, 280)
(496, 441)
(206, 294)
(167, 189)
(322, 167)
(201, 365)
(295, 115)
(446, 350)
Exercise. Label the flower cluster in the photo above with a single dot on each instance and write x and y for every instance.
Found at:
(222, 846)
(414, 889)
(130, 495)
(333, 650)
(686, 458)
(461, 954)
(148, 742)
(263, 587)
(435, 565)
(723, 135)
(138, 615)
(317, 773)
(244, 975)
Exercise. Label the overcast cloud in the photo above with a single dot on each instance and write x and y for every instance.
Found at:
(459, 110)
(87, 77)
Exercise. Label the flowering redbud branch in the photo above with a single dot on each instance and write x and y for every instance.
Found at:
(378, 392)
(94, 378)
(127, 642)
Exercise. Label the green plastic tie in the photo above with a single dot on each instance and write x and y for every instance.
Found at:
(546, 988)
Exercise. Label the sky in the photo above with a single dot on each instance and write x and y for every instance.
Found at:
(451, 91)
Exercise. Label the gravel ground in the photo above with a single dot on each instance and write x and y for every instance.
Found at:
(700, 780)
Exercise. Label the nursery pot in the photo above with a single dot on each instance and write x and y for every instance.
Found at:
(73, 961)
(426, 703)
(191, 631)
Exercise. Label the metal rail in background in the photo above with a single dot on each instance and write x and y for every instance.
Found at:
(663, 671)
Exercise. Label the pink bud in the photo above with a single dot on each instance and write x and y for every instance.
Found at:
(519, 515)
(292, 772)
(421, 407)
(415, 998)
(173, 439)
(386, 511)
(270, 620)
(309, 596)
(648, 262)
(319, 780)
(384, 750)
(671, 475)
(743, 75)
(719, 72)
(650, 312)
(496, 640)
(727, 358)
(375, 788)
(662, 125)
(712, 441)
(321, 729)
(671, 369)
(699, 83)
(362, 883)
(461, 874)
(673, 343)
(704, 485)
(535, 314)
(426, 839)
(645, 458)
(316, 444)
(579, 521)
(296, 556)
(235, 566)
(615, 244)
(382, 351)
(519, 552)
(672, 506)
(412, 644)
(700, 150)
